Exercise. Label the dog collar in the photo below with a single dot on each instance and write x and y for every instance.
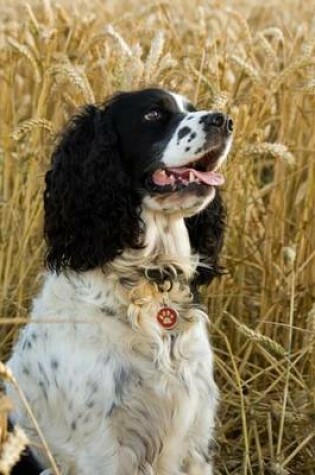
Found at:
(166, 316)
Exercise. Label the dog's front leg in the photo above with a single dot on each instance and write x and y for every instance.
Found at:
(199, 468)
(198, 459)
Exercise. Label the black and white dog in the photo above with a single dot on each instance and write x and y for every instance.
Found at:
(116, 361)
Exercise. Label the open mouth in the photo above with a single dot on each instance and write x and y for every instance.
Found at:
(198, 173)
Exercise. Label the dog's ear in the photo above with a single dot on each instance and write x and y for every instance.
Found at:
(206, 232)
(91, 212)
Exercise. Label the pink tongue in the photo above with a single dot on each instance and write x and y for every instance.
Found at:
(209, 178)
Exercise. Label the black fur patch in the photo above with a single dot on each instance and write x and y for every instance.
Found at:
(183, 132)
(206, 233)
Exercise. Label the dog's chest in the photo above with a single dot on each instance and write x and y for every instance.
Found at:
(76, 357)
(102, 366)
(157, 383)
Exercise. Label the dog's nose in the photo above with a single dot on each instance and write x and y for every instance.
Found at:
(229, 125)
(218, 120)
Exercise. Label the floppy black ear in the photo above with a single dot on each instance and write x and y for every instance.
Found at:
(91, 212)
(206, 232)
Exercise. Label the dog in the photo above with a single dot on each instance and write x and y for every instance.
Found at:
(115, 361)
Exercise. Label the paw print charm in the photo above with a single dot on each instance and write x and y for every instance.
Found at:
(167, 317)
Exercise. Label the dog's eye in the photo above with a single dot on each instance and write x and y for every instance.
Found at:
(154, 114)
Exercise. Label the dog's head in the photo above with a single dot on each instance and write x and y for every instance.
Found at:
(148, 148)
(170, 150)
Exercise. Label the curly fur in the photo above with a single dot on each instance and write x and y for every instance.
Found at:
(206, 233)
(91, 209)
(114, 391)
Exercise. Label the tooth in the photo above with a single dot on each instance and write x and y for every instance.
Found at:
(191, 177)
(163, 172)
(172, 178)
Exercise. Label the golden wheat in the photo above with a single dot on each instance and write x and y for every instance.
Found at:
(254, 61)
(11, 450)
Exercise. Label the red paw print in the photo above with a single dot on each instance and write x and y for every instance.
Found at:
(167, 317)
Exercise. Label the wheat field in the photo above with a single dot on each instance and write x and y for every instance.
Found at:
(257, 62)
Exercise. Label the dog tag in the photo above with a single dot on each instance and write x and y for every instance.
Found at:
(167, 317)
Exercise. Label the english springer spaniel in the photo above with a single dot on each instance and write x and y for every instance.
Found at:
(115, 360)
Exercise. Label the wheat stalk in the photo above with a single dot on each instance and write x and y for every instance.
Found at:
(134, 68)
(124, 47)
(245, 29)
(310, 336)
(11, 450)
(34, 22)
(247, 68)
(48, 12)
(274, 32)
(26, 53)
(154, 56)
(166, 62)
(288, 72)
(271, 345)
(77, 77)
(267, 50)
(276, 150)
(220, 101)
(29, 125)
(7, 374)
